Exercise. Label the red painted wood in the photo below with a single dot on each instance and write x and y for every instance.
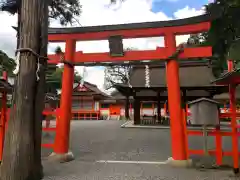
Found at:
(232, 80)
(232, 92)
(211, 152)
(228, 115)
(178, 138)
(219, 151)
(158, 54)
(230, 65)
(210, 133)
(49, 129)
(115, 109)
(136, 33)
(184, 113)
(3, 118)
(49, 112)
(48, 145)
(87, 114)
(63, 125)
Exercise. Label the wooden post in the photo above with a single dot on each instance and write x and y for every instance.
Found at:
(165, 108)
(184, 105)
(174, 102)
(230, 65)
(127, 108)
(136, 107)
(130, 108)
(185, 132)
(63, 126)
(158, 107)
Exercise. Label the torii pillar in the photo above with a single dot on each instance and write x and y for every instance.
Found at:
(178, 139)
(61, 145)
(232, 93)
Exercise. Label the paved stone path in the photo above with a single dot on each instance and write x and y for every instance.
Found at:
(93, 141)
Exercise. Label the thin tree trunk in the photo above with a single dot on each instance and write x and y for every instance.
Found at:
(18, 155)
(40, 91)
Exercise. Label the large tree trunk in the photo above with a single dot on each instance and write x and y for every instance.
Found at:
(40, 92)
(18, 155)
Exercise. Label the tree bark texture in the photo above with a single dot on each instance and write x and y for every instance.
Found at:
(40, 92)
(18, 156)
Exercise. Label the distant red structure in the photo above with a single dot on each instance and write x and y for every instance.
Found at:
(86, 100)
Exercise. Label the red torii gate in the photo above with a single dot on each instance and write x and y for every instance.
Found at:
(167, 29)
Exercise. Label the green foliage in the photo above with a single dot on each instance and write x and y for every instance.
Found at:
(234, 51)
(58, 50)
(54, 75)
(7, 64)
(224, 31)
(54, 80)
(198, 40)
(63, 10)
(226, 28)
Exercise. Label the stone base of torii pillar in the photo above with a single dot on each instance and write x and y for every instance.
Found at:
(61, 157)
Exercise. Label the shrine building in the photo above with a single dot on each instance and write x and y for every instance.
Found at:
(149, 99)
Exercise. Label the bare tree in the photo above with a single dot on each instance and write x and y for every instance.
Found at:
(117, 74)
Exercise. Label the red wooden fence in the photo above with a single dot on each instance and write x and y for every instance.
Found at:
(218, 133)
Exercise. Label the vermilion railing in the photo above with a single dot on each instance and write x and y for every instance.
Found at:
(218, 133)
(85, 115)
(228, 115)
(48, 127)
(3, 126)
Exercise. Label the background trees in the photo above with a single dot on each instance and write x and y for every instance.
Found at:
(7, 64)
(54, 74)
(63, 10)
(54, 79)
(223, 34)
(117, 73)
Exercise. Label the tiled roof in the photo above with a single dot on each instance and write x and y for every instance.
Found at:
(190, 76)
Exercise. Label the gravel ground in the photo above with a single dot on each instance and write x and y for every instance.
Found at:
(93, 141)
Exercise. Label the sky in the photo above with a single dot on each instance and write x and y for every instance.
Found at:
(97, 12)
